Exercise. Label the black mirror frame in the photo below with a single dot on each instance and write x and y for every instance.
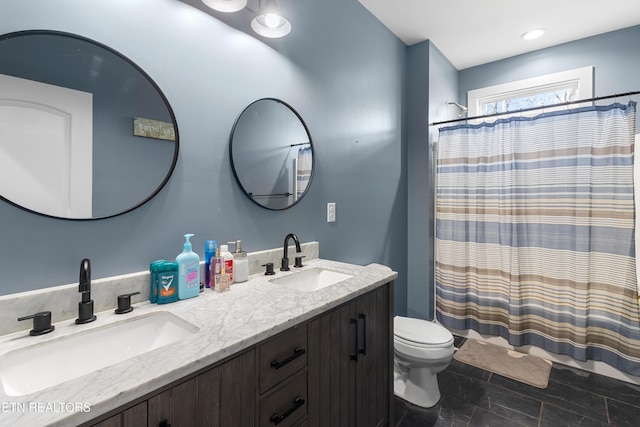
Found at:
(14, 34)
(313, 157)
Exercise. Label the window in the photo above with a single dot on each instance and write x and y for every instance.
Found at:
(550, 89)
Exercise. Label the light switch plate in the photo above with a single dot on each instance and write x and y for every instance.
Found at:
(331, 212)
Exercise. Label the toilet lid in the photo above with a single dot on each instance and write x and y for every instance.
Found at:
(420, 331)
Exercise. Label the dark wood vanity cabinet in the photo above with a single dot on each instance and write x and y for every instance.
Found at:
(334, 370)
(351, 363)
(220, 397)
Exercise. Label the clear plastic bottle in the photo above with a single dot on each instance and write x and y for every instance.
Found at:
(217, 267)
(228, 261)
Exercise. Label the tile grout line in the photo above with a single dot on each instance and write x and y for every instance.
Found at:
(401, 418)
(471, 416)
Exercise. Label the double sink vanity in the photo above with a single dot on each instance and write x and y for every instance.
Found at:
(297, 348)
(308, 347)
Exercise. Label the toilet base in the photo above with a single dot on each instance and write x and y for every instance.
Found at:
(419, 387)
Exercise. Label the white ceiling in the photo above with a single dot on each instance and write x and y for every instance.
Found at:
(474, 32)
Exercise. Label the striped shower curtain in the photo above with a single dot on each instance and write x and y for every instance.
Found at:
(535, 232)
(303, 170)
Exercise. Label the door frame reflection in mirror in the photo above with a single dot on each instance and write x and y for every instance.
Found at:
(99, 59)
(261, 137)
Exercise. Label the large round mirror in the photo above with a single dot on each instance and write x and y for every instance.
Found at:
(272, 154)
(84, 132)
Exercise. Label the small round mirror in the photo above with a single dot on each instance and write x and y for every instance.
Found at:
(272, 154)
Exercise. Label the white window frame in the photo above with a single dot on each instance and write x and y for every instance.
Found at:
(579, 79)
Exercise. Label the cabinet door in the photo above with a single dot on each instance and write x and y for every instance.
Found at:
(374, 393)
(349, 363)
(364, 384)
(132, 417)
(331, 372)
(226, 394)
(238, 391)
(159, 409)
(135, 416)
(222, 396)
(176, 407)
(115, 421)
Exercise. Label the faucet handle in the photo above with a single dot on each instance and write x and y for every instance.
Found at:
(124, 303)
(41, 323)
(269, 269)
(298, 262)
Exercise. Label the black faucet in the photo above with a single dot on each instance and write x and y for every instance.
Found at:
(85, 307)
(285, 259)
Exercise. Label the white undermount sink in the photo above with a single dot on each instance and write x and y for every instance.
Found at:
(42, 365)
(312, 279)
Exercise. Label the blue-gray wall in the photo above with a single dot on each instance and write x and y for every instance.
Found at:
(366, 98)
(615, 57)
(418, 203)
(431, 82)
(340, 68)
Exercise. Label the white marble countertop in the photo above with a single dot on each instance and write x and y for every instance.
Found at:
(228, 322)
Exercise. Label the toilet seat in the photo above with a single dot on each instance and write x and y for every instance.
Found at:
(420, 345)
(421, 333)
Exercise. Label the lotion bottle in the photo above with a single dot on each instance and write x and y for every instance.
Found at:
(240, 263)
(188, 271)
(228, 261)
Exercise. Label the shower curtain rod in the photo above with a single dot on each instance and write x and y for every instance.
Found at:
(598, 98)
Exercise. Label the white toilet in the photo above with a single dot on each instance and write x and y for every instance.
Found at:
(421, 349)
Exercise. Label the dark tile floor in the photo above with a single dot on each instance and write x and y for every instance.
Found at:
(472, 397)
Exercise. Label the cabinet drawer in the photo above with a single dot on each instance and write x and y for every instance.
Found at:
(282, 356)
(287, 404)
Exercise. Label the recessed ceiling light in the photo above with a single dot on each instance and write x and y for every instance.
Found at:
(533, 34)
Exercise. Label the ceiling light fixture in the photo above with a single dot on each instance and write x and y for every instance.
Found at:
(533, 34)
(269, 22)
(226, 5)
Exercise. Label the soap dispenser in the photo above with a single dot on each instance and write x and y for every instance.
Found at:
(240, 263)
(188, 271)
